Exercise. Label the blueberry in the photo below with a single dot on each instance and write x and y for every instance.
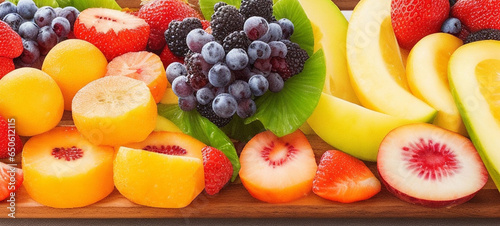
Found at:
(30, 52)
(219, 75)
(240, 90)
(204, 95)
(70, 13)
(287, 28)
(6, 8)
(236, 59)
(175, 70)
(197, 38)
(255, 27)
(246, 108)
(187, 103)
(61, 27)
(278, 49)
(258, 50)
(28, 30)
(14, 20)
(181, 87)
(276, 82)
(451, 25)
(274, 33)
(213, 52)
(224, 105)
(46, 39)
(44, 16)
(27, 9)
(258, 85)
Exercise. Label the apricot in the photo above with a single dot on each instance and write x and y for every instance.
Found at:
(64, 170)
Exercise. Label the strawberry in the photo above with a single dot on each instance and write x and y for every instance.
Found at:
(477, 14)
(343, 178)
(11, 45)
(113, 32)
(205, 24)
(414, 19)
(218, 169)
(159, 13)
(6, 66)
(167, 57)
(8, 140)
(7, 182)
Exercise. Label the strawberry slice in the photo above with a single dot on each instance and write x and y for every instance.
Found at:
(113, 32)
(343, 178)
(11, 179)
(218, 169)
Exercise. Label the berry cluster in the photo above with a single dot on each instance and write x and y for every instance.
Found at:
(247, 53)
(40, 28)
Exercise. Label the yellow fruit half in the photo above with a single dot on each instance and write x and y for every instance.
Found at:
(376, 66)
(427, 73)
(474, 75)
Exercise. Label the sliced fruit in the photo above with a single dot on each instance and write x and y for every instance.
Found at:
(351, 128)
(73, 64)
(473, 75)
(427, 73)
(343, 178)
(170, 143)
(114, 110)
(112, 31)
(218, 169)
(144, 66)
(63, 170)
(430, 166)
(278, 169)
(158, 180)
(163, 124)
(33, 98)
(169, 97)
(376, 68)
(11, 179)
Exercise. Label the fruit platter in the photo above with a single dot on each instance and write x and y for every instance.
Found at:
(249, 109)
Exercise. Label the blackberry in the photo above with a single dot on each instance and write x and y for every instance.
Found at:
(207, 112)
(295, 57)
(218, 5)
(485, 34)
(262, 8)
(236, 39)
(226, 20)
(176, 34)
(197, 70)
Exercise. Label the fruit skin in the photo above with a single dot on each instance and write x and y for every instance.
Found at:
(33, 98)
(427, 73)
(157, 180)
(112, 38)
(6, 173)
(477, 14)
(285, 186)
(66, 184)
(158, 15)
(413, 20)
(10, 142)
(167, 57)
(474, 102)
(217, 168)
(11, 45)
(6, 66)
(343, 178)
(375, 64)
(401, 172)
(74, 63)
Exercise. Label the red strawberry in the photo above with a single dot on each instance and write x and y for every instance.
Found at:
(218, 169)
(343, 178)
(167, 57)
(11, 45)
(113, 32)
(6, 65)
(159, 13)
(7, 182)
(477, 14)
(9, 139)
(414, 19)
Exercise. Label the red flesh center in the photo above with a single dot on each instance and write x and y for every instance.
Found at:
(430, 160)
(68, 154)
(168, 150)
(276, 155)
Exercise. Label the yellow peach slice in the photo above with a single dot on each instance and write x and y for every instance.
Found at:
(63, 170)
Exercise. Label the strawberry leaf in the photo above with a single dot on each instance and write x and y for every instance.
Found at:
(197, 126)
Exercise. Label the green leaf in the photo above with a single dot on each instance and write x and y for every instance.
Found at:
(40, 3)
(285, 111)
(84, 4)
(207, 6)
(193, 124)
(64, 3)
(303, 32)
(242, 132)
